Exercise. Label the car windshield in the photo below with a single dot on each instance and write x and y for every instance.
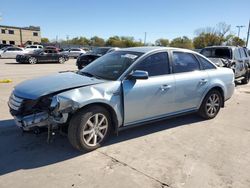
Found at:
(37, 52)
(217, 53)
(4, 48)
(100, 51)
(31, 47)
(112, 65)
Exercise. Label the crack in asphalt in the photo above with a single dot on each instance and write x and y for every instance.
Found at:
(125, 164)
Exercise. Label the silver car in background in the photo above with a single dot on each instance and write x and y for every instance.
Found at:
(74, 52)
(122, 89)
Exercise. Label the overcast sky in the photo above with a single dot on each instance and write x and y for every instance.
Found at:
(105, 18)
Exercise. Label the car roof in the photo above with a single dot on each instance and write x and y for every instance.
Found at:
(8, 47)
(148, 49)
(232, 47)
(105, 47)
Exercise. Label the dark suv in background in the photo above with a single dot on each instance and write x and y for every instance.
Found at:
(233, 57)
(85, 59)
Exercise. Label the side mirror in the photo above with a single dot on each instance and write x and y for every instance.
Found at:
(138, 75)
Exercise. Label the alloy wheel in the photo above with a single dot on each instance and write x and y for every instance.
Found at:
(95, 129)
(213, 104)
(61, 60)
(32, 60)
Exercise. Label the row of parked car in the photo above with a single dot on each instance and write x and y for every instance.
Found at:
(236, 58)
(36, 53)
(9, 51)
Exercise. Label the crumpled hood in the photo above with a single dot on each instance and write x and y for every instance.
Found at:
(220, 62)
(33, 89)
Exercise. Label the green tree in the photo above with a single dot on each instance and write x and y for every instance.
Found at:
(182, 42)
(44, 40)
(122, 42)
(236, 41)
(114, 41)
(97, 41)
(210, 36)
(79, 41)
(162, 42)
(206, 39)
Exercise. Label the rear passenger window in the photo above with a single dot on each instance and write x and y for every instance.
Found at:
(155, 65)
(245, 51)
(184, 62)
(236, 54)
(242, 53)
(75, 50)
(205, 63)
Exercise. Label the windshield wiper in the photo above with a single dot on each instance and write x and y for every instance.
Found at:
(90, 75)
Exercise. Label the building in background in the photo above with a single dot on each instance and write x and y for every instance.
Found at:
(20, 36)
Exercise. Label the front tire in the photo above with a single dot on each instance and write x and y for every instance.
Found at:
(32, 60)
(89, 128)
(211, 105)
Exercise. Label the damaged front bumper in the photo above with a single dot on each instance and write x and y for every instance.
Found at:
(34, 120)
(41, 119)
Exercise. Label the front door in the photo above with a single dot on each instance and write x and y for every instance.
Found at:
(9, 53)
(151, 98)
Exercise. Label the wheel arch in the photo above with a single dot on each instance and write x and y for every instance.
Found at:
(113, 115)
(218, 88)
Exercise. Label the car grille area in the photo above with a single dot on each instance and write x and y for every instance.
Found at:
(15, 104)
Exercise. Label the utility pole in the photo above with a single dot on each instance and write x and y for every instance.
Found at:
(239, 28)
(145, 38)
(67, 37)
(248, 33)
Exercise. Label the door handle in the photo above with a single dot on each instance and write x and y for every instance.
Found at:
(165, 87)
(203, 81)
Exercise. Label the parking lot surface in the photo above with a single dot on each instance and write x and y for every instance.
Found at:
(180, 152)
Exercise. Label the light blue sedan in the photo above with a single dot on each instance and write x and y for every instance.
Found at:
(122, 89)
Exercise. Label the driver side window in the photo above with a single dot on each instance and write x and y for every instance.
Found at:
(155, 65)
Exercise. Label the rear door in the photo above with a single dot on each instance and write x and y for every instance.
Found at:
(152, 98)
(54, 56)
(190, 81)
(245, 59)
(239, 63)
(75, 52)
(17, 51)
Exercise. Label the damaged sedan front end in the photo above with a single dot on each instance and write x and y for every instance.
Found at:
(45, 105)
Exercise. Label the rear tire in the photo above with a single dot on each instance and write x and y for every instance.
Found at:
(89, 128)
(61, 60)
(211, 105)
(246, 78)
